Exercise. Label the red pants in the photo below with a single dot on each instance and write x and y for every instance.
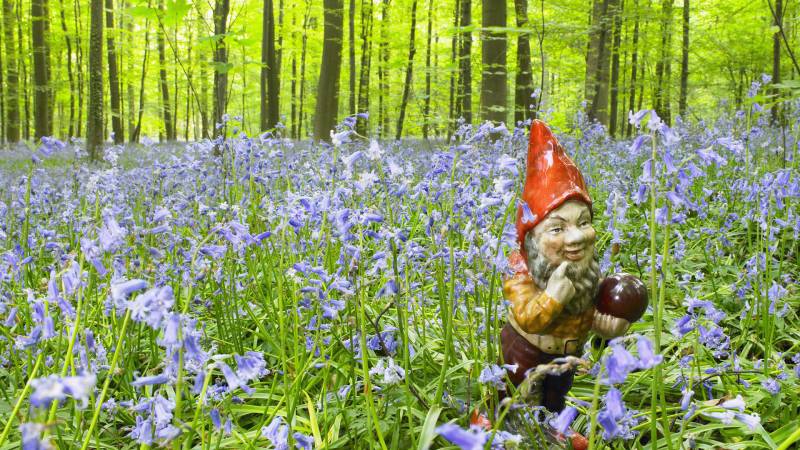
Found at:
(517, 350)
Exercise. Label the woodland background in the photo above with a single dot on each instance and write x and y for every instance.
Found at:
(175, 68)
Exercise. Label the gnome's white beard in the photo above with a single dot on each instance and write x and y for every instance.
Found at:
(585, 276)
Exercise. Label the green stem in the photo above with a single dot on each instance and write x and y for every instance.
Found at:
(18, 404)
(107, 382)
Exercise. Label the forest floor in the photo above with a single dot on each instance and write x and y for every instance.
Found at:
(348, 296)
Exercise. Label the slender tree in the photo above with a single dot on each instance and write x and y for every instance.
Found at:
(136, 131)
(634, 66)
(70, 74)
(454, 49)
(685, 60)
(494, 80)
(598, 60)
(351, 21)
(94, 123)
(366, 63)
(270, 108)
(303, 51)
(615, 48)
(113, 77)
(777, 18)
(663, 66)
(383, 71)
(166, 102)
(41, 69)
(523, 83)
(426, 111)
(412, 49)
(221, 11)
(326, 111)
(79, 66)
(464, 95)
(11, 119)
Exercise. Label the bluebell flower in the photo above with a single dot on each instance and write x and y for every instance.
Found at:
(215, 418)
(54, 387)
(120, 291)
(647, 357)
(619, 364)
(151, 380)
(32, 437)
(473, 439)
(493, 375)
(772, 386)
(251, 366)
(152, 306)
(564, 419)
(387, 372)
(277, 432)
(302, 441)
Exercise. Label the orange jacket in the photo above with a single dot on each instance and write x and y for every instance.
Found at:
(536, 312)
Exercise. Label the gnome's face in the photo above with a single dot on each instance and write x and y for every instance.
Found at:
(566, 235)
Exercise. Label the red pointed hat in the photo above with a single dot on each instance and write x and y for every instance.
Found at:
(551, 179)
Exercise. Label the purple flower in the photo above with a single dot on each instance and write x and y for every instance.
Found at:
(232, 379)
(493, 375)
(686, 398)
(152, 306)
(564, 419)
(527, 215)
(150, 380)
(772, 386)
(277, 432)
(473, 439)
(619, 364)
(215, 418)
(251, 366)
(647, 357)
(32, 437)
(302, 441)
(121, 291)
(53, 387)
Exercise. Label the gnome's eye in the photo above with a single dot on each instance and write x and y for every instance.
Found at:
(556, 230)
(585, 223)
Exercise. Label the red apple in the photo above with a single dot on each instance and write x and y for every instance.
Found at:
(622, 295)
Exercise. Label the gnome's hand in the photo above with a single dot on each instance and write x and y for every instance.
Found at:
(608, 326)
(559, 286)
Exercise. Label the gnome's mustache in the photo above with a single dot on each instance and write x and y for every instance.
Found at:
(585, 277)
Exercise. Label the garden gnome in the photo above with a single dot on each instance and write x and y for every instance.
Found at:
(556, 276)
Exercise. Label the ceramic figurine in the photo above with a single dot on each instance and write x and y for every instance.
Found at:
(557, 294)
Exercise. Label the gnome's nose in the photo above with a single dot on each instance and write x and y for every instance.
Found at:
(574, 238)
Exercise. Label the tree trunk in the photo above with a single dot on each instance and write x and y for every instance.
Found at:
(300, 108)
(454, 48)
(11, 75)
(464, 95)
(662, 94)
(79, 67)
(22, 56)
(351, 19)
(270, 108)
(383, 72)
(166, 101)
(523, 84)
(366, 64)
(685, 60)
(113, 79)
(776, 56)
(326, 111)
(136, 131)
(634, 67)
(612, 119)
(41, 69)
(494, 80)
(598, 60)
(221, 11)
(412, 49)
(94, 123)
(293, 114)
(70, 74)
(426, 112)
